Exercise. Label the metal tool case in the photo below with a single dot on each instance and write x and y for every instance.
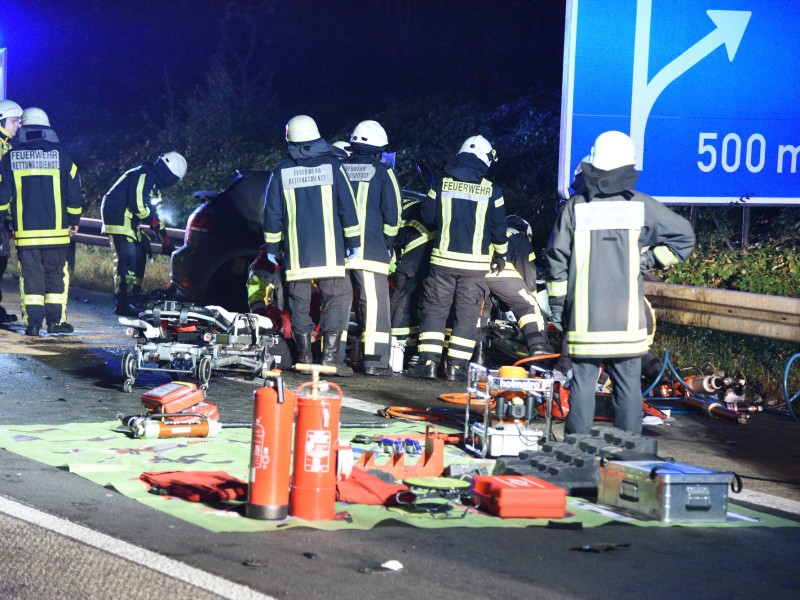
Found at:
(667, 491)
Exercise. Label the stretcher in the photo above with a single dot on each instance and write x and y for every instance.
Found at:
(186, 340)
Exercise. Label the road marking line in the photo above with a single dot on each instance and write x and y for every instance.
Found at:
(135, 554)
(762, 499)
(356, 404)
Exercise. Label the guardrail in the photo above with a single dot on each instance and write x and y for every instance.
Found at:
(773, 317)
(89, 233)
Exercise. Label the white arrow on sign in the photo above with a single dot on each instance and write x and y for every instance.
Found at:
(730, 26)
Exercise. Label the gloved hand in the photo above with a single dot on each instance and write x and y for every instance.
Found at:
(498, 263)
(351, 253)
(167, 247)
(273, 258)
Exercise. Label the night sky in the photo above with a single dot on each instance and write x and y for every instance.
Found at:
(76, 58)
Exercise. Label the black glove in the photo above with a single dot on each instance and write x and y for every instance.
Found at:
(498, 263)
(167, 247)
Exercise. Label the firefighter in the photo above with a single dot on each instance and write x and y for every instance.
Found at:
(378, 201)
(467, 210)
(40, 184)
(310, 216)
(133, 200)
(265, 295)
(413, 252)
(603, 241)
(515, 289)
(10, 113)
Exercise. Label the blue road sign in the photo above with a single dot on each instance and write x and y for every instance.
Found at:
(709, 91)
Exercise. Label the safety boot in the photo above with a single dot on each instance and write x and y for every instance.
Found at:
(456, 370)
(60, 328)
(481, 354)
(302, 345)
(425, 368)
(330, 353)
(32, 330)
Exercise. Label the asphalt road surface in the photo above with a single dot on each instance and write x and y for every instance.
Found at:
(62, 536)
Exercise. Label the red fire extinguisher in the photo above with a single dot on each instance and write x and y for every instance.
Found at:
(271, 450)
(313, 495)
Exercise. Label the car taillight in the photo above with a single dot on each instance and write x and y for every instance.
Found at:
(198, 223)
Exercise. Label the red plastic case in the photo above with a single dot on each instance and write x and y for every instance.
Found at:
(519, 496)
(172, 397)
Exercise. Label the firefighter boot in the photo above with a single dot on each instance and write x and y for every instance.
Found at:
(481, 354)
(302, 345)
(456, 370)
(330, 353)
(425, 368)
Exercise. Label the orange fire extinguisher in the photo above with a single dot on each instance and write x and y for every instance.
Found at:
(319, 404)
(271, 450)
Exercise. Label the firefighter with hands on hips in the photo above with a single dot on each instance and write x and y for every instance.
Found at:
(378, 202)
(515, 289)
(10, 113)
(310, 215)
(133, 200)
(39, 183)
(603, 241)
(468, 213)
(413, 254)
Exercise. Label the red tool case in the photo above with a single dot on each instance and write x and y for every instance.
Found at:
(172, 397)
(519, 496)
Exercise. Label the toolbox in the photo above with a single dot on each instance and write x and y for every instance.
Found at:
(519, 496)
(666, 491)
(172, 397)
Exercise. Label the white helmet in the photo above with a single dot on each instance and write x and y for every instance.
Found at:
(611, 150)
(344, 147)
(370, 133)
(34, 116)
(9, 108)
(480, 147)
(175, 163)
(302, 128)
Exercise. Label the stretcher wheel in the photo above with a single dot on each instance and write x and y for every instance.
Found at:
(204, 369)
(130, 366)
(127, 386)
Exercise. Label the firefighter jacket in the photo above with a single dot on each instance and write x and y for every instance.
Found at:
(5, 142)
(413, 241)
(310, 212)
(601, 245)
(378, 202)
(136, 199)
(467, 211)
(519, 260)
(40, 185)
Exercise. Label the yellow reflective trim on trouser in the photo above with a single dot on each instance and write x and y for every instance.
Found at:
(431, 348)
(55, 298)
(454, 339)
(371, 310)
(431, 335)
(583, 245)
(634, 255)
(291, 228)
(557, 288)
(535, 317)
(32, 299)
(612, 337)
(401, 331)
(314, 273)
(327, 215)
(460, 354)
